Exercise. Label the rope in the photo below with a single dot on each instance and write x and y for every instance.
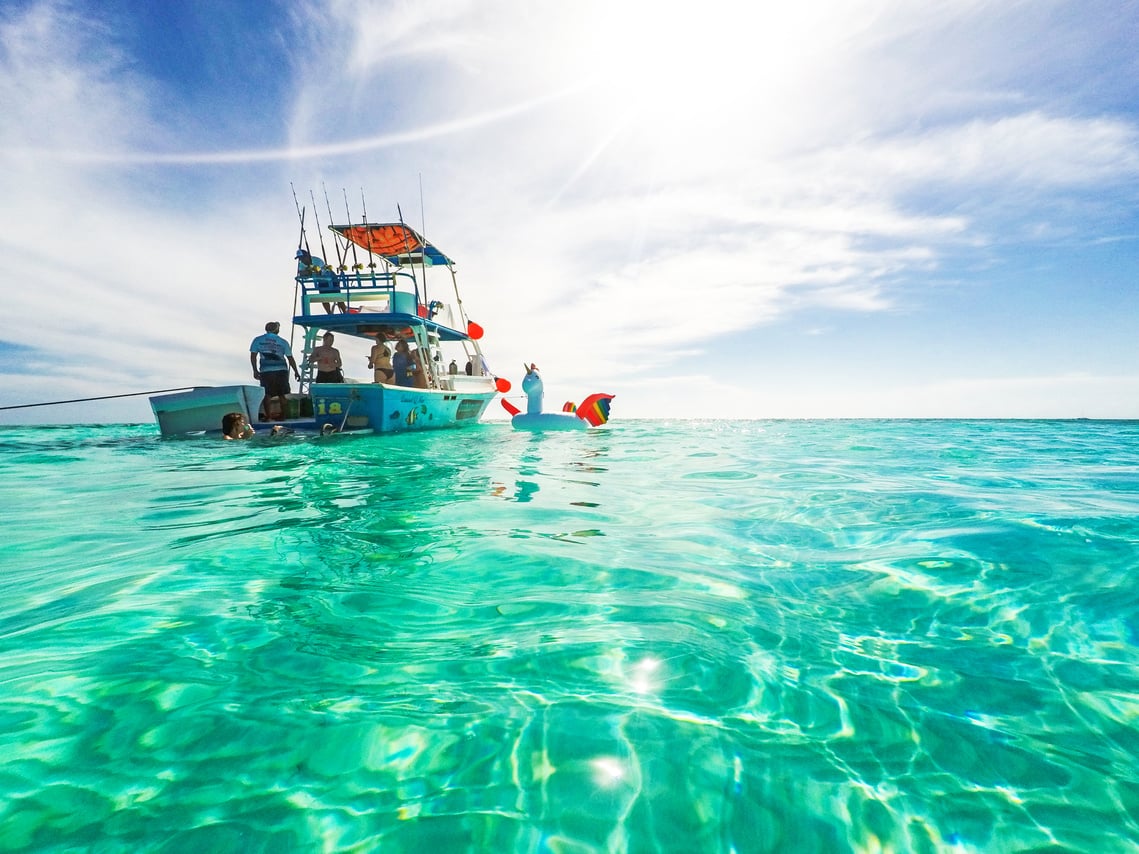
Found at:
(103, 397)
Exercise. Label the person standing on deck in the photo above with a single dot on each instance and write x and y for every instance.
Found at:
(327, 361)
(404, 365)
(380, 361)
(273, 372)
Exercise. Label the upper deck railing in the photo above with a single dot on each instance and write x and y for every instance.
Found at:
(383, 292)
(391, 292)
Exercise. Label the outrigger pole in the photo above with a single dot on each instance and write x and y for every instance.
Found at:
(407, 249)
(423, 234)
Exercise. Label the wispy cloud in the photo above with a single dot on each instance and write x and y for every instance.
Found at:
(1031, 149)
(313, 151)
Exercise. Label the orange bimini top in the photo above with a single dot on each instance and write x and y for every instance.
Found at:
(395, 242)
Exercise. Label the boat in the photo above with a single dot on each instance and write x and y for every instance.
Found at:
(593, 411)
(390, 286)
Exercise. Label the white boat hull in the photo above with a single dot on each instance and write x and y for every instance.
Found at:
(201, 410)
(336, 407)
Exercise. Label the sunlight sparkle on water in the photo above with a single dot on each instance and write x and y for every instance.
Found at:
(608, 772)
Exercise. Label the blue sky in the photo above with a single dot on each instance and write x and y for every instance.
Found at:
(863, 208)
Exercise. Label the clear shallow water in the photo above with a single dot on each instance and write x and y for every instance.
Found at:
(663, 636)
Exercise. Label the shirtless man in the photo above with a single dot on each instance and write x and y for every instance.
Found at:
(327, 361)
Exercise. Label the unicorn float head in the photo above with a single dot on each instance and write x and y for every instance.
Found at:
(532, 387)
(593, 412)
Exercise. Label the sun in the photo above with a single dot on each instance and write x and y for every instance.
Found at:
(683, 72)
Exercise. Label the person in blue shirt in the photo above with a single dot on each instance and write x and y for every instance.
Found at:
(312, 267)
(404, 365)
(276, 357)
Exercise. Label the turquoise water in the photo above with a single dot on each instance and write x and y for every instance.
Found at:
(662, 636)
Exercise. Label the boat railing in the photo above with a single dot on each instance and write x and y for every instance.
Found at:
(381, 292)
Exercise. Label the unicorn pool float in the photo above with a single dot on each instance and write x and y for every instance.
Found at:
(593, 411)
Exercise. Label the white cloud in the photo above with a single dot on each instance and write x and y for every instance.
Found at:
(61, 78)
(1032, 149)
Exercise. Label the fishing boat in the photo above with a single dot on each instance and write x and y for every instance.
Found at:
(378, 294)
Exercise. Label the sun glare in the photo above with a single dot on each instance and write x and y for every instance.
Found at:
(665, 61)
(677, 83)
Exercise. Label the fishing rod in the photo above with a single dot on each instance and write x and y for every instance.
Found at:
(103, 397)
(320, 234)
(324, 285)
(356, 265)
(296, 279)
(340, 259)
(371, 260)
(407, 250)
(303, 241)
(428, 369)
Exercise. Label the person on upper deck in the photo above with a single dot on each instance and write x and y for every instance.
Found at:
(327, 361)
(273, 372)
(312, 267)
(404, 365)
